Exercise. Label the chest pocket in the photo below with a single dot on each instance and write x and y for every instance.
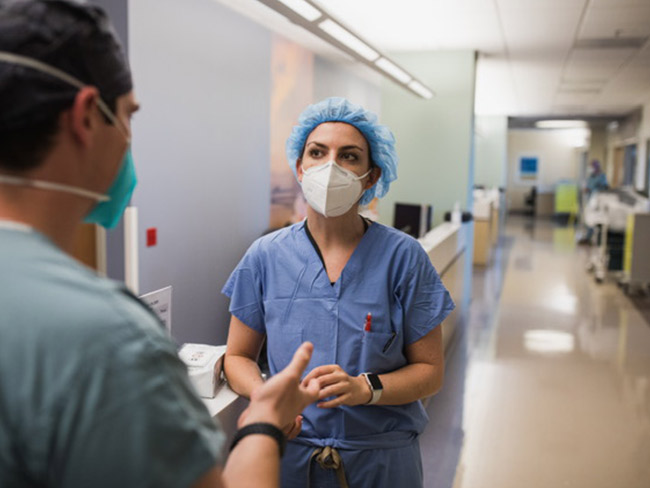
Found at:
(381, 352)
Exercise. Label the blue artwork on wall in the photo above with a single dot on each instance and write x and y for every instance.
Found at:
(528, 167)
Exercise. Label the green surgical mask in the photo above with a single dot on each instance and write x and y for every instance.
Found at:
(108, 213)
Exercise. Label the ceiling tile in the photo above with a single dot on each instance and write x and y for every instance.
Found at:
(614, 21)
(595, 64)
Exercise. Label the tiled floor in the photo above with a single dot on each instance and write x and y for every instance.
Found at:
(549, 384)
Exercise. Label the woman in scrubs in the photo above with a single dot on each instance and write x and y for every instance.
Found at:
(364, 294)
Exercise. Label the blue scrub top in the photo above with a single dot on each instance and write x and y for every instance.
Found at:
(281, 289)
(596, 183)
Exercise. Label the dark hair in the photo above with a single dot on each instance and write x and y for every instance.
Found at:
(78, 39)
(23, 148)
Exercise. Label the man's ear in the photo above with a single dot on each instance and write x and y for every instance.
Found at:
(299, 169)
(84, 116)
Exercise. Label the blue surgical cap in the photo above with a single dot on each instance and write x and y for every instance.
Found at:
(380, 139)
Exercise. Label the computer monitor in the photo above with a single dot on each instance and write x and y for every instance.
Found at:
(413, 219)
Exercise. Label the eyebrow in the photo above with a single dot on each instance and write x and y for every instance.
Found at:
(351, 146)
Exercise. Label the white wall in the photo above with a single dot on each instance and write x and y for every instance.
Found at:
(559, 159)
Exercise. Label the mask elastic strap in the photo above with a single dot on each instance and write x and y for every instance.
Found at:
(37, 65)
(364, 175)
(47, 185)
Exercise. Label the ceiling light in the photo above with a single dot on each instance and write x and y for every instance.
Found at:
(420, 89)
(393, 70)
(304, 9)
(313, 18)
(348, 39)
(561, 124)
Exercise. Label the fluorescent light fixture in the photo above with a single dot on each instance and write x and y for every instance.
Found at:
(304, 9)
(393, 70)
(420, 89)
(348, 39)
(561, 124)
(314, 18)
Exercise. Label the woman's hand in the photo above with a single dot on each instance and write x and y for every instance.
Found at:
(334, 382)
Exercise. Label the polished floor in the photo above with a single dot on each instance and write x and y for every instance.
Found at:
(548, 384)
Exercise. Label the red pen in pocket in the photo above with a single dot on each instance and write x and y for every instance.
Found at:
(368, 325)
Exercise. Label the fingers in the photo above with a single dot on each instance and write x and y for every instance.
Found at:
(294, 428)
(310, 391)
(332, 378)
(300, 359)
(320, 371)
(336, 389)
(336, 402)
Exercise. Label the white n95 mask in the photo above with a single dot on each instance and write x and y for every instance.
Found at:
(330, 189)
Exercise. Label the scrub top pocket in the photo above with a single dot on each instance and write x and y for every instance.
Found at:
(380, 352)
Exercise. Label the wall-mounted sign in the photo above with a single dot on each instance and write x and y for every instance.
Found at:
(160, 301)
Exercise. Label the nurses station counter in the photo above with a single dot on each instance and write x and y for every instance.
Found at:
(445, 245)
(487, 224)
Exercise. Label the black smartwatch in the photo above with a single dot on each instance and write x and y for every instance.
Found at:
(375, 386)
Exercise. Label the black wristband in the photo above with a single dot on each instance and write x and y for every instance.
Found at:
(260, 428)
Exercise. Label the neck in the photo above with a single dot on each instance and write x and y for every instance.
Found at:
(56, 216)
(345, 230)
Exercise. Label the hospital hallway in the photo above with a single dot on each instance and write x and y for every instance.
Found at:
(548, 383)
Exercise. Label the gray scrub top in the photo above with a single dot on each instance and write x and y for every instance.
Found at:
(92, 392)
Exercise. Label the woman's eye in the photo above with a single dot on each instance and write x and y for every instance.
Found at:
(349, 156)
(314, 153)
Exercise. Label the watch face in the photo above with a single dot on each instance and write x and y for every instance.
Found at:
(375, 382)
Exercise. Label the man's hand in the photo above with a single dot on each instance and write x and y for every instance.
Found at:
(281, 399)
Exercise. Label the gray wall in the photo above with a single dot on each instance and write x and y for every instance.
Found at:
(201, 148)
(334, 80)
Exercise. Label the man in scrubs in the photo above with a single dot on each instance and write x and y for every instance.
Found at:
(92, 393)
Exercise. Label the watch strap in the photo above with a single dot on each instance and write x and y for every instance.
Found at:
(261, 428)
(376, 392)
